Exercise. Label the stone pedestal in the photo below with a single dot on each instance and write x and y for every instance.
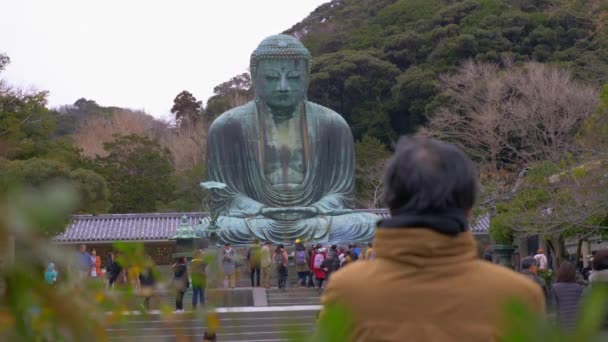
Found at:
(185, 247)
(504, 254)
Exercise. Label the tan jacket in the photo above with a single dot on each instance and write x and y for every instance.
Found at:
(426, 286)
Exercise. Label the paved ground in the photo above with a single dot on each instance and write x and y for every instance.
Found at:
(267, 324)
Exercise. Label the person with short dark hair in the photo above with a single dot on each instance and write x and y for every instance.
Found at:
(566, 295)
(428, 282)
(332, 262)
(301, 260)
(280, 259)
(147, 279)
(529, 268)
(114, 269)
(83, 263)
(181, 282)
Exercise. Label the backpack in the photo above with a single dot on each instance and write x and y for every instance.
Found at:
(318, 261)
(278, 259)
(300, 257)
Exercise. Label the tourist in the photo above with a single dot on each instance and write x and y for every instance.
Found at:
(96, 269)
(311, 275)
(541, 260)
(199, 279)
(370, 254)
(342, 256)
(265, 263)
(428, 282)
(316, 265)
(114, 269)
(357, 250)
(132, 273)
(331, 263)
(147, 279)
(350, 255)
(83, 262)
(50, 275)
(566, 294)
(280, 260)
(487, 256)
(529, 268)
(254, 259)
(301, 260)
(599, 277)
(229, 266)
(180, 282)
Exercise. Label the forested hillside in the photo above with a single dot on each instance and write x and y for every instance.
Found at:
(377, 62)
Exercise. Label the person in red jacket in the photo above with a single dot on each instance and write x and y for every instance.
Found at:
(316, 264)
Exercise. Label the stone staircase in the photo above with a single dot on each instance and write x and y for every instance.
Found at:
(242, 324)
(293, 296)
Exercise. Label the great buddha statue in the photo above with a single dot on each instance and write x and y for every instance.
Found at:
(288, 164)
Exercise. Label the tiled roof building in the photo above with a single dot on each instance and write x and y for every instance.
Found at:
(159, 227)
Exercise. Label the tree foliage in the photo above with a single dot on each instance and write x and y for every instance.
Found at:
(508, 118)
(357, 85)
(233, 93)
(186, 108)
(36, 173)
(25, 123)
(563, 198)
(138, 172)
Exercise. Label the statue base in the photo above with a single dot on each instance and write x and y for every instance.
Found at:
(340, 229)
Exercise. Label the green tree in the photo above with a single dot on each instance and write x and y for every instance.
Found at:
(138, 172)
(188, 195)
(235, 92)
(186, 108)
(25, 123)
(4, 61)
(358, 86)
(36, 173)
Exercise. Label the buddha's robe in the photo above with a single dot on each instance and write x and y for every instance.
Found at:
(236, 156)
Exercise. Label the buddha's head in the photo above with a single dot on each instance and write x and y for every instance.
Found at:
(280, 67)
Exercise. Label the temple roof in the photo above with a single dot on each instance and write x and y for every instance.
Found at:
(161, 226)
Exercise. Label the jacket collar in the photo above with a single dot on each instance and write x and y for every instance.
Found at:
(423, 247)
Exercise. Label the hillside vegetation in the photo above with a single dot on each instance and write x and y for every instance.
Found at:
(377, 62)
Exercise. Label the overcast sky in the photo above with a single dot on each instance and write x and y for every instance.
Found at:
(136, 53)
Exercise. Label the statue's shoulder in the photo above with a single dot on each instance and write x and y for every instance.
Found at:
(325, 113)
(235, 115)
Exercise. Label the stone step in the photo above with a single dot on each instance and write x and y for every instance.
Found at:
(294, 290)
(241, 324)
(294, 302)
(294, 294)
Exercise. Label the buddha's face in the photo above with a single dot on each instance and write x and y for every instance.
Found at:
(281, 83)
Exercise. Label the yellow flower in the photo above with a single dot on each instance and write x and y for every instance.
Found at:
(99, 296)
(213, 322)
